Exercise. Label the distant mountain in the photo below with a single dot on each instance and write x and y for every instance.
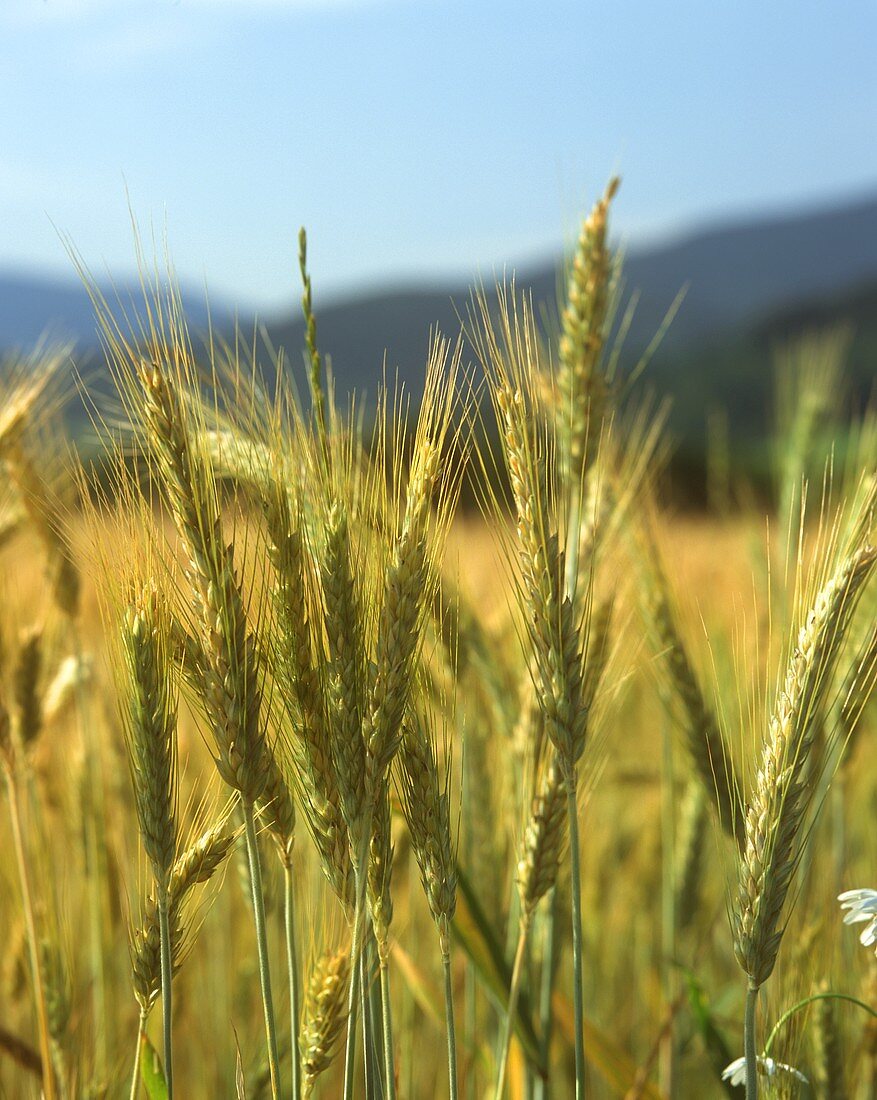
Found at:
(733, 371)
(748, 283)
(32, 306)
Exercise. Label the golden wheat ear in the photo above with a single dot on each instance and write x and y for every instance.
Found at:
(776, 814)
(196, 865)
(325, 1015)
(151, 726)
(30, 398)
(583, 388)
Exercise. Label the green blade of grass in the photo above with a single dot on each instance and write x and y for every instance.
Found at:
(472, 930)
(151, 1071)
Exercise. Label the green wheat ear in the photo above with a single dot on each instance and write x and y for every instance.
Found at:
(151, 727)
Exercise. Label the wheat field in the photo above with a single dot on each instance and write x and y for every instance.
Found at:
(318, 781)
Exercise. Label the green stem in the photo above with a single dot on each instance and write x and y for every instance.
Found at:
(387, 1018)
(470, 1027)
(749, 1047)
(292, 974)
(376, 1028)
(355, 952)
(470, 1014)
(512, 936)
(667, 1056)
(262, 945)
(135, 1077)
(511, 1011)
(449, 1023)
(790, 1012)
(578, 968)
(370, 1061)
(546, 990)
(93, 817)
(166, 991)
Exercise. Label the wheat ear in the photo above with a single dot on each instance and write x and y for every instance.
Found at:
(706, 747)
(828, 1050)
(196, 865)
(775, 818)
(231, 682)
(151, 736)
(325, 1015)
(296, 649)
(346, 672)
(426, 802)
(27, 687)
(775, 815)
(43, 508)
(583, 388)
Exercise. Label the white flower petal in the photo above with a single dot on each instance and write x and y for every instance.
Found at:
(858, 895)
(856, 915)
(735, 1073)
(859, 901)
(861, 906)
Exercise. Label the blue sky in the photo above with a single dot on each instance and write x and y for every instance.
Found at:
(414, 138)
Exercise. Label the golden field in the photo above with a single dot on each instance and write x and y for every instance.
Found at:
(315, 784)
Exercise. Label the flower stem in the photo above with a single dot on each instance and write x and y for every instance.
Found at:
(370, 1060)
(749, 1049)
(94, 851)
(292, 974)
(262, 945)
(449, 1024)
(511, 1010)
(355, 952)
(546, 990)
(166, 991)
(827, 996)
(578, 969)
(667, 1054)
(387, 1017)
(48, 1076)
(135, 1077)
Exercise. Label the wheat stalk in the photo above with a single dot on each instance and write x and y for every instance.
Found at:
(8, 756)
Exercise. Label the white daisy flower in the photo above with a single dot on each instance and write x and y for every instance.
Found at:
(735, 1073)
(861, 905)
